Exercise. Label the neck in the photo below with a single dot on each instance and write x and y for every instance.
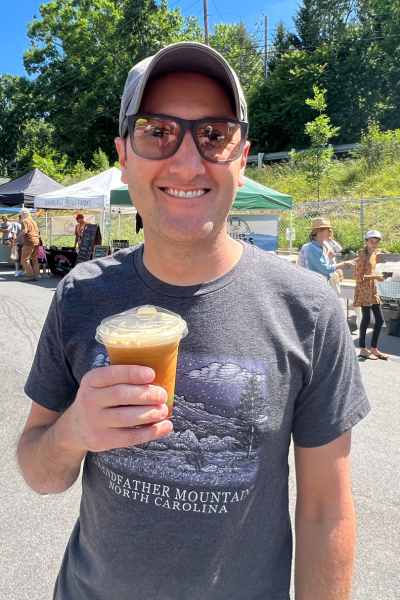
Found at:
(187, 264)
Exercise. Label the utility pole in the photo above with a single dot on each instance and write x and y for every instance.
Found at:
(206, 36)
(266, 46)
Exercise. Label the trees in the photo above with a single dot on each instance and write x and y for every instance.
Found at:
(81, 52)
(316, 161)
(15, 100)
(252, 410)
(351, 48)
(242, 51)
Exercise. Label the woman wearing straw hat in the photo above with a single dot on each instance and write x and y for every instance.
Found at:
(317, 260)
(366, 296)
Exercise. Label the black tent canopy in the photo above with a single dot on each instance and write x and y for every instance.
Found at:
(23, 190)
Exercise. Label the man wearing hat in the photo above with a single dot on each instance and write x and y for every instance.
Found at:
(79, 229)
(196, 506)
(317, 259)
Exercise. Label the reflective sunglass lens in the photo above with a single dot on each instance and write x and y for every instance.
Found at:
(155, 138)
(219, 141)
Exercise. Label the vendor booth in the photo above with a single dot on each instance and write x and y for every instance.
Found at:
(90, 194)
(257, 229)
(22, 191)
(251, 196)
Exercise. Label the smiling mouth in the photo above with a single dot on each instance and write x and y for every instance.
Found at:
(182, 194)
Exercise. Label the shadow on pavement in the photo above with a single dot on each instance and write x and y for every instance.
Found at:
(7, 275)
(388, 344)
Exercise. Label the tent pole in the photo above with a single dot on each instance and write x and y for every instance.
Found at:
(119, 224)
(47, 239)
(110, 225)
(291, 226)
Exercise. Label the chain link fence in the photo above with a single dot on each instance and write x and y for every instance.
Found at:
(351, 220)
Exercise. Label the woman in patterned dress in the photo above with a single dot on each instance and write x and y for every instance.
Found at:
(366, 296)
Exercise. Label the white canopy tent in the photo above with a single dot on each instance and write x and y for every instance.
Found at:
(90, 194)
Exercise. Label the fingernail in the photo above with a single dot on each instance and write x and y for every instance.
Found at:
(163, 411)
(145, 373)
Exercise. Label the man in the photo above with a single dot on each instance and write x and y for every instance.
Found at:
(79, 229)
(29, 254)
(5, 230)
(196, 507)
(16, 229)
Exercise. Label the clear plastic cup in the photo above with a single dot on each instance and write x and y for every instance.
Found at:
(148, 336)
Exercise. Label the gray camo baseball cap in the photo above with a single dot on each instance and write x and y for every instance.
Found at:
(183, 56)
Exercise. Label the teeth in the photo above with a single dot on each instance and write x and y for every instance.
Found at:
(182, 194)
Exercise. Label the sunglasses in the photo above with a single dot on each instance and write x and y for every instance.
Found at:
(159, 136)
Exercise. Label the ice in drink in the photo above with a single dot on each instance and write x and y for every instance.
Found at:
(148, 336)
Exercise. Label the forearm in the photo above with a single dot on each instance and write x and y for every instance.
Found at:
(48, 461)
(324, 558)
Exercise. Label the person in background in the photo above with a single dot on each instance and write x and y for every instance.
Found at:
(5, 230)
(79, 229)
(16, 229)
(30, 249)
(302, 260)
(366, 295)
(42, 260)
(318, 260)
(332, 248)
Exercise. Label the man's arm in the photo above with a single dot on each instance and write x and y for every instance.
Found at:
(110, 405)
(325, 522)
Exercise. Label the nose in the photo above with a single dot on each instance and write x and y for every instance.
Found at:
(187, 162)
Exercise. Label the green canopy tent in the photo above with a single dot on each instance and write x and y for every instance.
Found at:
(252, 196)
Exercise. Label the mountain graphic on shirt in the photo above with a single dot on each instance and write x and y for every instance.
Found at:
(219, 423)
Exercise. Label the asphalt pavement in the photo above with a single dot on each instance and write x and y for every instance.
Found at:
(35, 529)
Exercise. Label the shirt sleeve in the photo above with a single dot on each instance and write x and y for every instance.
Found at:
(333, 398)
(51, 382)
(317, 261)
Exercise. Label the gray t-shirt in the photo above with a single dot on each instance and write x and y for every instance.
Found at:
(5, 230)
(202, 514)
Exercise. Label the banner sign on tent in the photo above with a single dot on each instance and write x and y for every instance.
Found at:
(66, 225)
(259, 230)
(72, 203)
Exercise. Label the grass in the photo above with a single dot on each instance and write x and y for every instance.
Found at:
(348, 179)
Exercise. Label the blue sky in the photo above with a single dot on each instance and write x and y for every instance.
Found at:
(13, 38)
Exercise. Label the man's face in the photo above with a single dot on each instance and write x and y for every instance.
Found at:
(184, 198)
(5, 219)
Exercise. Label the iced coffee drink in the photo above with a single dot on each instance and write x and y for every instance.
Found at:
(148, 336)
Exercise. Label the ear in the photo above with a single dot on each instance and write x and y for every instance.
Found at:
(120, 145)
(243, 163)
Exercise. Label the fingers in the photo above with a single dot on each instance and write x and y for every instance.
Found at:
(124, 438)
(132, 416)
(115, 374)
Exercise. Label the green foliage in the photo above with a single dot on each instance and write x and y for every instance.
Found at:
(349, 47)
(378, 146)
(317, 161)
(15, 104)
(278, 107)
(100, 161)
(80, 53)
(241, 50)
(36, 137)
(50, 165)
